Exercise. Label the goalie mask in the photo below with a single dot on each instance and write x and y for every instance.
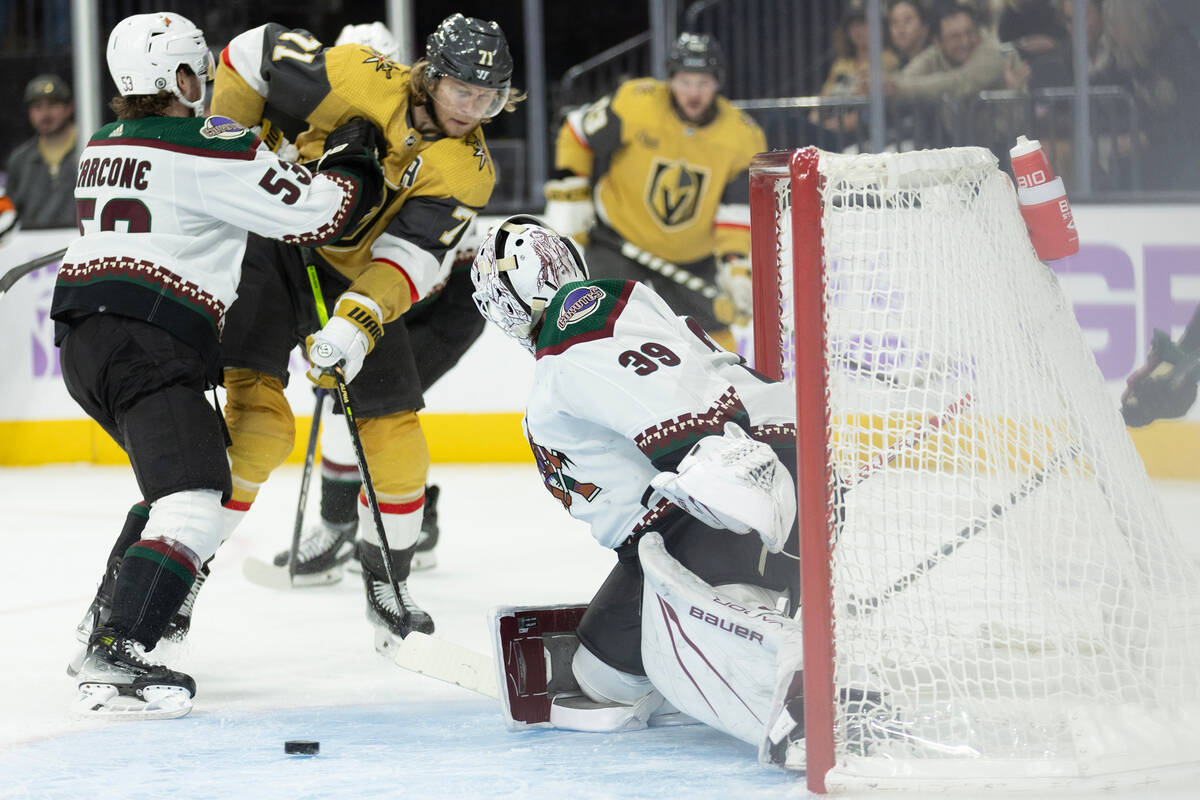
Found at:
(520, 266)
(145, 50)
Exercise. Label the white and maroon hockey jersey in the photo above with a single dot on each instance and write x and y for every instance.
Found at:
(622, 389)
(164, 204)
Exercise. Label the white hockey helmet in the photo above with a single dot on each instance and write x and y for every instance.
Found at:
(520, 266)
(145, 50)
(374, 35)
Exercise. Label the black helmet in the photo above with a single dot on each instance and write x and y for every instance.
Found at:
(697, 52)
(472, 50)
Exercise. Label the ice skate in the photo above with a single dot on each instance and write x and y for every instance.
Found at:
(181, 623)
(392, 623)
(320, 560)
(96, 615)
(116, 679)
(425, 557)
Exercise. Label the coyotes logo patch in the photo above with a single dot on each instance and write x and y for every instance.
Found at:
(674, 191)
(552, 464)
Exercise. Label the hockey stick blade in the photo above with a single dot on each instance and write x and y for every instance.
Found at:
(269, 576)
(445, 661)
(21, 270)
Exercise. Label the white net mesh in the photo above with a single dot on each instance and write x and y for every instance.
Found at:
(1008, 598)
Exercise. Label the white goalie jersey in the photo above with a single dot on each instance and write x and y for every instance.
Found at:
(622, 389)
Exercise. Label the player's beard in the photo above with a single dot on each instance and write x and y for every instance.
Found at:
(703, 118)
(431, 107)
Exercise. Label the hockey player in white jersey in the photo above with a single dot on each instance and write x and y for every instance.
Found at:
(682, 460)
(165, 199)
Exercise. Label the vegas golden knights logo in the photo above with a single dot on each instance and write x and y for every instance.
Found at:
(674, 191)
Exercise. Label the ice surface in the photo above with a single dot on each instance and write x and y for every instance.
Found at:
(272, 666)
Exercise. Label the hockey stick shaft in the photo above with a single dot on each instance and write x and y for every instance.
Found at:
(310, 456)
(21, 270)
(314, 431)
(928, 427)
(979, 524)
(343, 395)
(726, 314)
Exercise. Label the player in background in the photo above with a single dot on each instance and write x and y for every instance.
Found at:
(644, 428)
(658, 172)
(441, 328)
(164, 200)
(1165, 387)
(439, 175)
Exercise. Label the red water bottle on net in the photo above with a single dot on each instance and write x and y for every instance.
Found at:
(1043, 201)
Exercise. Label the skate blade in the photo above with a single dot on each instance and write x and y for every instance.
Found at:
(261, 573)
(157, 702)
(76, 661)
(423, 560)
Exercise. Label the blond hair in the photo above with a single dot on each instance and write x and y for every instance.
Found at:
(422, 78)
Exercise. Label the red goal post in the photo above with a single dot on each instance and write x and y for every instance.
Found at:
(991, 594)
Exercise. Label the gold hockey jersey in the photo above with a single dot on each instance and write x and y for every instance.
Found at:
(677, 190)
(435, 185)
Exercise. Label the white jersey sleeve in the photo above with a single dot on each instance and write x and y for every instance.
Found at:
(622, 389)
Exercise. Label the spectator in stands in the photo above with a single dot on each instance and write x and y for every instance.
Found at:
(1158, 61)
(41, 171)
(1038, 33)
(850, 71)
(908, 30)
(1100, 59)
(963, 61)
(853, 57)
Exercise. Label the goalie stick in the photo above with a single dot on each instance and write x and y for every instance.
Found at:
(21, 270)
(869, 605)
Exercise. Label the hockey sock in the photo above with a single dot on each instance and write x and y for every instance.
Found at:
(339, 499)
(155, 577)
(371, 556)
(131, 531)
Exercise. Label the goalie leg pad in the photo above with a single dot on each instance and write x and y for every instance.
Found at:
(712, 657)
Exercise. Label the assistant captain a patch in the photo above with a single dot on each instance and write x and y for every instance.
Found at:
(579, 304)
(221, 128)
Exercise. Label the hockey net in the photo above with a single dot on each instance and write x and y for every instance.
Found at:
(991, 592)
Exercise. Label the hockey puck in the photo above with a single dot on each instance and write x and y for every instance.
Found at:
(301, 748)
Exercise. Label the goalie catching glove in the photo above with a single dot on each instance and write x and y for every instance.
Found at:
(736, 483)
(345, 339)
(1165, 387)
(736, 301)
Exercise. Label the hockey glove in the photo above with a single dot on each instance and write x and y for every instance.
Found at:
(356, 149)
(569, 208)
(736, 483)
(276, 142)
(346, 339)
(735, 304)
(1165, 387)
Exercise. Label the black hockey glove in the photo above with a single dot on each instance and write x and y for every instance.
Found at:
(1165, 387)
(356, 150)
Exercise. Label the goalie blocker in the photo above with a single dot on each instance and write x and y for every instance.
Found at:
(713, 655)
